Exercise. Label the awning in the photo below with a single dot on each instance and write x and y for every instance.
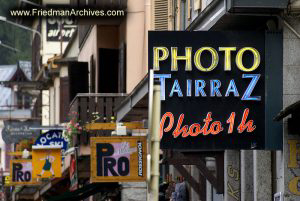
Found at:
(292, 123)
(291, 109)
(27, 193)
(86, 191)
(228, 14)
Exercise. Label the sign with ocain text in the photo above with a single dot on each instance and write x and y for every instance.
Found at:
(118, 159)
(53, 138)
(21, 172)
(46, 162)
(219, 90)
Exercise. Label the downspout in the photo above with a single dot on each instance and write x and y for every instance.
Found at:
(147, 27)
(155, 144)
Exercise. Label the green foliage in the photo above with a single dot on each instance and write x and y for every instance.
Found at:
(13, 36)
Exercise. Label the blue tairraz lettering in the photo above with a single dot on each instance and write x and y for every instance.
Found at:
(189, 88)
(176, 88)
(200, 88)
(249, 90)
(214, 88)
(162, 79)
(232, 88)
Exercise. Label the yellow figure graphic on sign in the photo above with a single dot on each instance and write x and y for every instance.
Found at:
(48, 164)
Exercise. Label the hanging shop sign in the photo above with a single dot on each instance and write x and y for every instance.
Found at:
(219, 90)
(14, 131)
(60, 29)
(53, 138)
(46, 162)
(118, 159)
(21, 173)
(73, 172)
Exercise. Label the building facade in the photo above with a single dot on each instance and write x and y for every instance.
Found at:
(100, 75)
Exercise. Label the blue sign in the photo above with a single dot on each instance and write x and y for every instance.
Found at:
(54, 138)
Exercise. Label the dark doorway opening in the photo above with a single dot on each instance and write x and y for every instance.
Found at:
(78, 78)
(108, 70)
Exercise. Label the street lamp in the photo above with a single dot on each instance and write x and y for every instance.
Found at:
(2, 18)
(9, 47)
(31, 3)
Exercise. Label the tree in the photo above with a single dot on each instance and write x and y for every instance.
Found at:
(13, 36)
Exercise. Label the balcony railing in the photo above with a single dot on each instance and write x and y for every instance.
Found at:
(94, 107)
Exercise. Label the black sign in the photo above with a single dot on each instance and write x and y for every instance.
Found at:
(14, 131)
(215, 89)
(60, 29)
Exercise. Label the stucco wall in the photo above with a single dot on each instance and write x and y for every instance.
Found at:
(135, 34)
(45, 108)
(49, 47)
(52, 107)
(2, 147)
(291, 94)
(57, 100)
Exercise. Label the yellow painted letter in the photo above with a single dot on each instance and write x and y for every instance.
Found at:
(157, 58)
(239, 59)
(293, 185)
(227, 57)
(187, 58)
(214, 62)
(293, 163)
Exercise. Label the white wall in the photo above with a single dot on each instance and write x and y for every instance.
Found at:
(288, 174)
(135, 35)
(45, 108)
(50, 48)
(56, 100)
(2, 147)
(63, 71)
(52, 105)
(90, 48)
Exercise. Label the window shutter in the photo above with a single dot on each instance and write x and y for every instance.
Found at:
(122, 69)
(64, 99)
(92, 74)
(161, 15)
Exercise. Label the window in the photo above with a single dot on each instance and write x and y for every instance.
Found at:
(160, 15)
(92, 75)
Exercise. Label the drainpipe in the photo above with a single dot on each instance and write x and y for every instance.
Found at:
(155, 140)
